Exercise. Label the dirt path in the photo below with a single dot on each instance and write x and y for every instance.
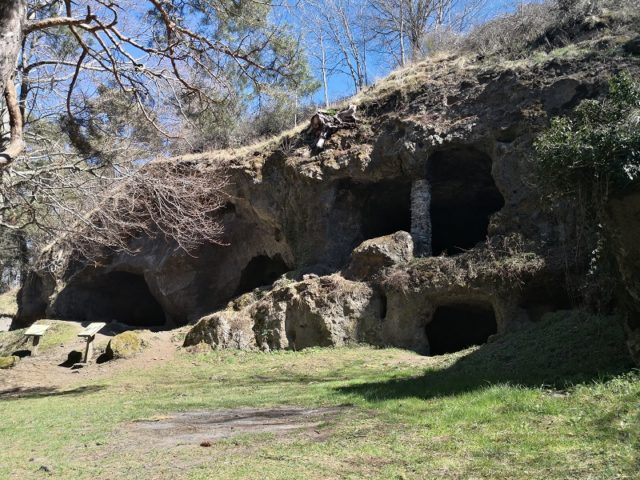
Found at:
(46, 373)
(202, 427)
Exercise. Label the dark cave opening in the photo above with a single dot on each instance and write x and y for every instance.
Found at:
(361, 211)
(458, 326)
(260, 271)
(383, 208)
(121, 296)
(386, 208)
(463, 197)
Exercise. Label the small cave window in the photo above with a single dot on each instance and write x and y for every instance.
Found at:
(458, 326)
(383, 306)
(463, 197)
(260, 271)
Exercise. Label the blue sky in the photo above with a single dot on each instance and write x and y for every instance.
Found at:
(340, 84)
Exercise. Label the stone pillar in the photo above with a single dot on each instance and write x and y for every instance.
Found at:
(421, 217)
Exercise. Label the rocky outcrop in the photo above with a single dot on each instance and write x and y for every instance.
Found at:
(319, 311)
(225, 329)
(441, 151)
(124, 345)
(389, 305)
(372, 256)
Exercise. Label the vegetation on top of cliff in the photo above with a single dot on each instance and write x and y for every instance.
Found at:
(534, 34)
(548, 25)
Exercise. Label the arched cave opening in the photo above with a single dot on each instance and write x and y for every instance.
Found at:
(457, 326)
(260, 271)
(463, 197)
(382, 208)
(386, 208)
(121, 296)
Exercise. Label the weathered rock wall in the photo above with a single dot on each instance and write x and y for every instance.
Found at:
(624, 225)
(461, 126)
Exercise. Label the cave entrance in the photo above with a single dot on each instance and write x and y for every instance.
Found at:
(386, 208)
(260, 271)
(121, 296)
(463, 197)
(458, 326)
(125, 297)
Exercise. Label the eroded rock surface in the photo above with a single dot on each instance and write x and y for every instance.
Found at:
(624, 213)
(460, 128)
(372, 256)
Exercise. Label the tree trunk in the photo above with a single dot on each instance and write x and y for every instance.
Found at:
(12, 18)
(325, 85)
(403, 59)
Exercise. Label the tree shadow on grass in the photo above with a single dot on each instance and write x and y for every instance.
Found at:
(19, 393)
(565, 349)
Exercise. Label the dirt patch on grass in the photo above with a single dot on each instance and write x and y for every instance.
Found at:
(51, 369)
(203, 427)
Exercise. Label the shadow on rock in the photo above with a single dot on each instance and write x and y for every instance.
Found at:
(563, 350)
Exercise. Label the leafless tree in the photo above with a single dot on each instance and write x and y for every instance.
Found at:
(59, 58)
(338, 25)
(398, 24)
(175, 200)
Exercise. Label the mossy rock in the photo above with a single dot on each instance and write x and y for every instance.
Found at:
(8, 362)
(125, 345)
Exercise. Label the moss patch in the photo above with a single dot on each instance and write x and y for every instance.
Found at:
(125, 345)
(8, 362)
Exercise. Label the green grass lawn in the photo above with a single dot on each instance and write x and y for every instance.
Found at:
(557, 400)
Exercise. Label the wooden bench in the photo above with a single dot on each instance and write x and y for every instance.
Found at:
(36, 332)
(89, 334)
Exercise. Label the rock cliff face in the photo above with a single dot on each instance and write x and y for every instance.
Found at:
(442, 153)
(624, 224)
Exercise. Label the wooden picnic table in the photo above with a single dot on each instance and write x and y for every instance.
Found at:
(89, 334)
(36, 332)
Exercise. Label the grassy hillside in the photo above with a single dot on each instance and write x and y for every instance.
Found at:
(557, 400)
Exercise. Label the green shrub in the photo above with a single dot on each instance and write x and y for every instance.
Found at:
(596, 152)
(585, 159)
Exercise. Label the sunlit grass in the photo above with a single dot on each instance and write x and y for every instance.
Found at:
(534, 404)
